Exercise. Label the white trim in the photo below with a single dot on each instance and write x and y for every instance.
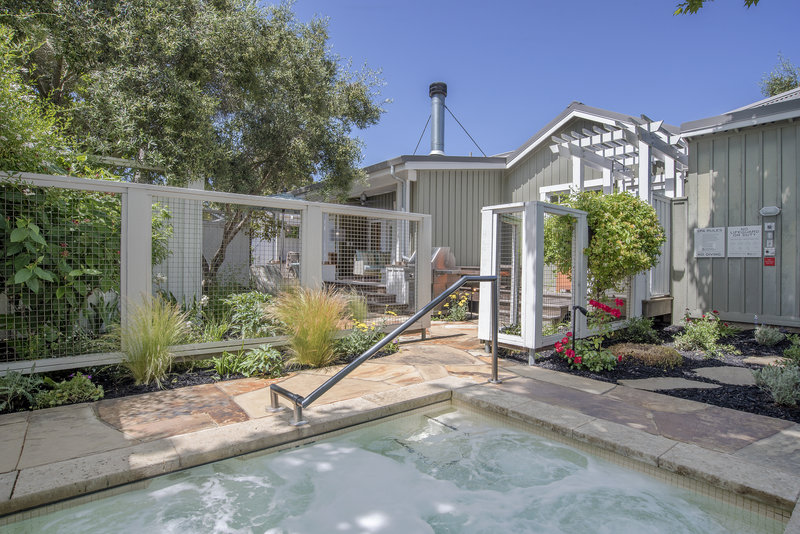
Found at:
(556, 127)
(438, 165)
(743, 123)
(588, 185)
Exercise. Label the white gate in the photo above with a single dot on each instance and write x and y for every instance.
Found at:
(660, 274)
(537, 295)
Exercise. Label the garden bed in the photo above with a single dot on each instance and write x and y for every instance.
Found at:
(750, 399)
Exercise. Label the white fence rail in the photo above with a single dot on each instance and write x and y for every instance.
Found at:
(93, 248)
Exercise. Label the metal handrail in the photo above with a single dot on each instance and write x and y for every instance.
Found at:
(301, 402)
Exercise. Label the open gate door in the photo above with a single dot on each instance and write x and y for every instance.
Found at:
(536, 249)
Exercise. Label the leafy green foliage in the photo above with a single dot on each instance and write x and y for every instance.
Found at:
(690, 7)
(704, 334)
(783, 383)
(311, 318)
(652, 355)
(792, 353)
(247, 313)
(637, 330)
(768, 335)
(590, 354)
(624, 238)
(79, 388)
(361, 338)
(154, 326)
(17, 391)
(784, 77)
(264, 361)
(30, 130)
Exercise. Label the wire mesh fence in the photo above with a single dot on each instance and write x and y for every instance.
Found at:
(59, 270)
(76, 252)
(557, 276)
(510, 270)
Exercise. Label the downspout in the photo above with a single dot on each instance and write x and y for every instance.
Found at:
(402, 205)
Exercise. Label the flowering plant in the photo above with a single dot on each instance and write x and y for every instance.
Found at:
(704, 334)
(456, 306)
(590, 353)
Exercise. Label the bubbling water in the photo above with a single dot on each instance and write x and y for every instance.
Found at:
(451, 473)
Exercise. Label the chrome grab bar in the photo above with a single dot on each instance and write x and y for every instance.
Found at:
(301, 402)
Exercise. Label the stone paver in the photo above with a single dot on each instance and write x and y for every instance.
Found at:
(763, 360)
(12, 438)
(736, 376)
(716, 428)
(244, 385)
(7, 485)
(779, 451)
(431, 354)
(145, 415)
(13, 418)
(662, 383)
(66, 432)
(554, 377)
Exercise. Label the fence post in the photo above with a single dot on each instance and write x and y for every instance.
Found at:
(311, 237)
(136, 265)
(424, 274)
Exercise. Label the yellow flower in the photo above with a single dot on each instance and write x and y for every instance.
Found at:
(390, 312)
(446, 305)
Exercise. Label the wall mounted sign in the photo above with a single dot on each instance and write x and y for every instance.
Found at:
(744, 241)
(710, 242)
(769, 262)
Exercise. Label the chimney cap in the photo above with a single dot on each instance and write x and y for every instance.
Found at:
(437, 88)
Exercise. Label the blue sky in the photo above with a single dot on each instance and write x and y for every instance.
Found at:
(511, 66)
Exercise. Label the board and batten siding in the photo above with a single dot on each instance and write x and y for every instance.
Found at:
(454, 199)
(731, 177)
(543, 168)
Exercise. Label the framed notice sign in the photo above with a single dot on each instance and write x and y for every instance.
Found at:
(744, 241)
(709, 242)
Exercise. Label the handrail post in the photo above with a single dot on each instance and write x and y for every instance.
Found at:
(495, 328)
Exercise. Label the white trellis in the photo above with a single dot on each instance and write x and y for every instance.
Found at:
(641, 156)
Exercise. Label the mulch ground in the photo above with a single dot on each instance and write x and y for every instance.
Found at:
(744, 398)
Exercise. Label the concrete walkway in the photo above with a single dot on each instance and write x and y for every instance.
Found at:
(53, 454)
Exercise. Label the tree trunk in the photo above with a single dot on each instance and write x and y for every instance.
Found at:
(235, 220)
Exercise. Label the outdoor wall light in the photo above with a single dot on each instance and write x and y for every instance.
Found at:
(769, 211)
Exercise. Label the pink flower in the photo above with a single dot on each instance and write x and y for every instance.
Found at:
(565, 341)
(569, 334)
(616, 313)
(619, 358)
(570, 353)
(619, 302)
(559, 347)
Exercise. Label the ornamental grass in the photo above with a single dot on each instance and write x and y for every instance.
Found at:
(154, 326)
(311, 318)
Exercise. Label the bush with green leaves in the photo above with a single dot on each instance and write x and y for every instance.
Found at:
(311, 318)
(792, 353)
(17, 391)
(455, 308)
(624, 238)
(768, 335)
(153, 328)
(79, 388)
(264, 361)
(704, 334)
(637, 330)
(361, 338)
(782, 382)
(247, 314)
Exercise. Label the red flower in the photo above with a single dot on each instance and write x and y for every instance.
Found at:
(578, 359)
(704, 316)
(559, 348)
(715, 311)
(619, 358)
(619, 302)
(565, 341)
(569, 334)
(616, 313)
(570, 353)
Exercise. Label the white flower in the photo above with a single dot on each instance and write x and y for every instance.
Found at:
(203, 301)
(160, 278)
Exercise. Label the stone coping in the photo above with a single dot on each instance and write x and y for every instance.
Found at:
(48, 484)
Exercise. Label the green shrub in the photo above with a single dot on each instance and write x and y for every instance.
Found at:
(361, 338)
(652, 355)
(792, 353)
(77, 389)
(783, 383)
(637, 330)
(226, 364)
(311, 318)
(768, 336)
(17, 391)
(704, 334)
(247, 314)
(357, 307)
(456, 307)
(262, 361)
(154, 326)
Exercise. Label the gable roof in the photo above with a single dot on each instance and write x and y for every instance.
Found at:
(782, 106)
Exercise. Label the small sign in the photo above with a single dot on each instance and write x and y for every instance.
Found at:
(769, 262)
(769, 243)
(770, 226)
(769, 252)
(744, 241)
(709, 242)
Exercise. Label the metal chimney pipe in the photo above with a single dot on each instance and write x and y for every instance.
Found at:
(437, 91)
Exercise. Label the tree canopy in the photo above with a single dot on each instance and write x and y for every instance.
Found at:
(784, 76)
(690, 7)
(243, 96)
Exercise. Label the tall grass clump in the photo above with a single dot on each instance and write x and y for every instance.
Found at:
(153, 327)
(311, 318)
